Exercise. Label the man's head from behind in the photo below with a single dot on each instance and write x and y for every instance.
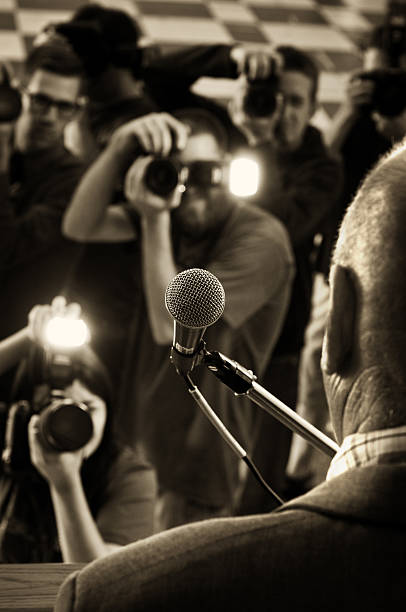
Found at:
(364, 360)
(51, 90)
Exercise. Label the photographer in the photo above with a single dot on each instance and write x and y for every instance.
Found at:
(352, 132)
(37, 178)
(197, 223)
(75, 493)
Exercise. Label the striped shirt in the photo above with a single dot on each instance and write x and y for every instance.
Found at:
(372, 448)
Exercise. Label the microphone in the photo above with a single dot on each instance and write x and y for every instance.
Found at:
(195, 299)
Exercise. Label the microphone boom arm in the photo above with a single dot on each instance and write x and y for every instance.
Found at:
(243, 382)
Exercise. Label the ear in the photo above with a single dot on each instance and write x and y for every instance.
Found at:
(339, 334)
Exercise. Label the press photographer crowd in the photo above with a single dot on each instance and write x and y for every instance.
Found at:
(202, 370)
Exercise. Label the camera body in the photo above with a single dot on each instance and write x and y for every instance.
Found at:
(164, 174)
(260, 96)
(389, 91)
(64, 424)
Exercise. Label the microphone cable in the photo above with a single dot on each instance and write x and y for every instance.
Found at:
(226, 435)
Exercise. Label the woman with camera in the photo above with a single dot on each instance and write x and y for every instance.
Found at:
(57, 504)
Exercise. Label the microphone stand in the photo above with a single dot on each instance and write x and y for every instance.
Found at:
(243, 382)
(225, 434)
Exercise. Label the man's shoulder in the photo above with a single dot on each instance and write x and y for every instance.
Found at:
(368, 494)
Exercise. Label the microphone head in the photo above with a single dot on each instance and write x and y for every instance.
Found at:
(195, 298)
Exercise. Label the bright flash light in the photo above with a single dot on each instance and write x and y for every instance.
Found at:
(244, 177)
(62, 332)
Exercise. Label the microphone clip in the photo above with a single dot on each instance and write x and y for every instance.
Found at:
(230, 372)
(186, 363)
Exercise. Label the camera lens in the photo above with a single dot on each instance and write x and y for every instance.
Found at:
(66, 425)
(260, 96)
(161, 176)
(260, 99)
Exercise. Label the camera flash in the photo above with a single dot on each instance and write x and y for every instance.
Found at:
(243, 177)
(62, 332)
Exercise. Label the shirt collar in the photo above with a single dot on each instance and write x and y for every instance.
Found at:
(372, 448)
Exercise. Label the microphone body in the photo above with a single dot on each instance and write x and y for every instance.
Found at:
(195, 299)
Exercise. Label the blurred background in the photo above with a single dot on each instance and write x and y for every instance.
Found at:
(333, 31)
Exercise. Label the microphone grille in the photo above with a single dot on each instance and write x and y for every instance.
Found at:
(195, 298)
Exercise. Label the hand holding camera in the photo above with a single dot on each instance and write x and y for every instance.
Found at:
(40, 316)
(256, 62)
(60, 469)
(156, 133)
(256, 128)
(382, 90)
(359, 92)
(63, 423)
(257, 104)
(152, 182)
(152, 185)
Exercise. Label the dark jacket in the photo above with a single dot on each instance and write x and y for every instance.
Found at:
(341, 546)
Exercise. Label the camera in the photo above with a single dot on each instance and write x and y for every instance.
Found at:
(64, 424)
(10, 99)
(260, 97)
(164, 174)
(389, 92)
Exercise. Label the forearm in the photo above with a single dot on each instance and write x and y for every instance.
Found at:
(13, 349)
(193, 62)
(87, 209)
(79, 537)
(158, 269)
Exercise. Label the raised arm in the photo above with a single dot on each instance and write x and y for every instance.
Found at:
(158, 264)
(91, 215)
(79, 537)
(358, 94)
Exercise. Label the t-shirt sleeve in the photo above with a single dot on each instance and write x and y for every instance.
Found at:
(128, 512)
(254, 264)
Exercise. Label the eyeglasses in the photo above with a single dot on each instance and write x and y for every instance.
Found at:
(41, 103)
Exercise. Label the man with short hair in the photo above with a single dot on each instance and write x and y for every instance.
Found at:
(200, 226)
(37, 178)
(345, 540)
